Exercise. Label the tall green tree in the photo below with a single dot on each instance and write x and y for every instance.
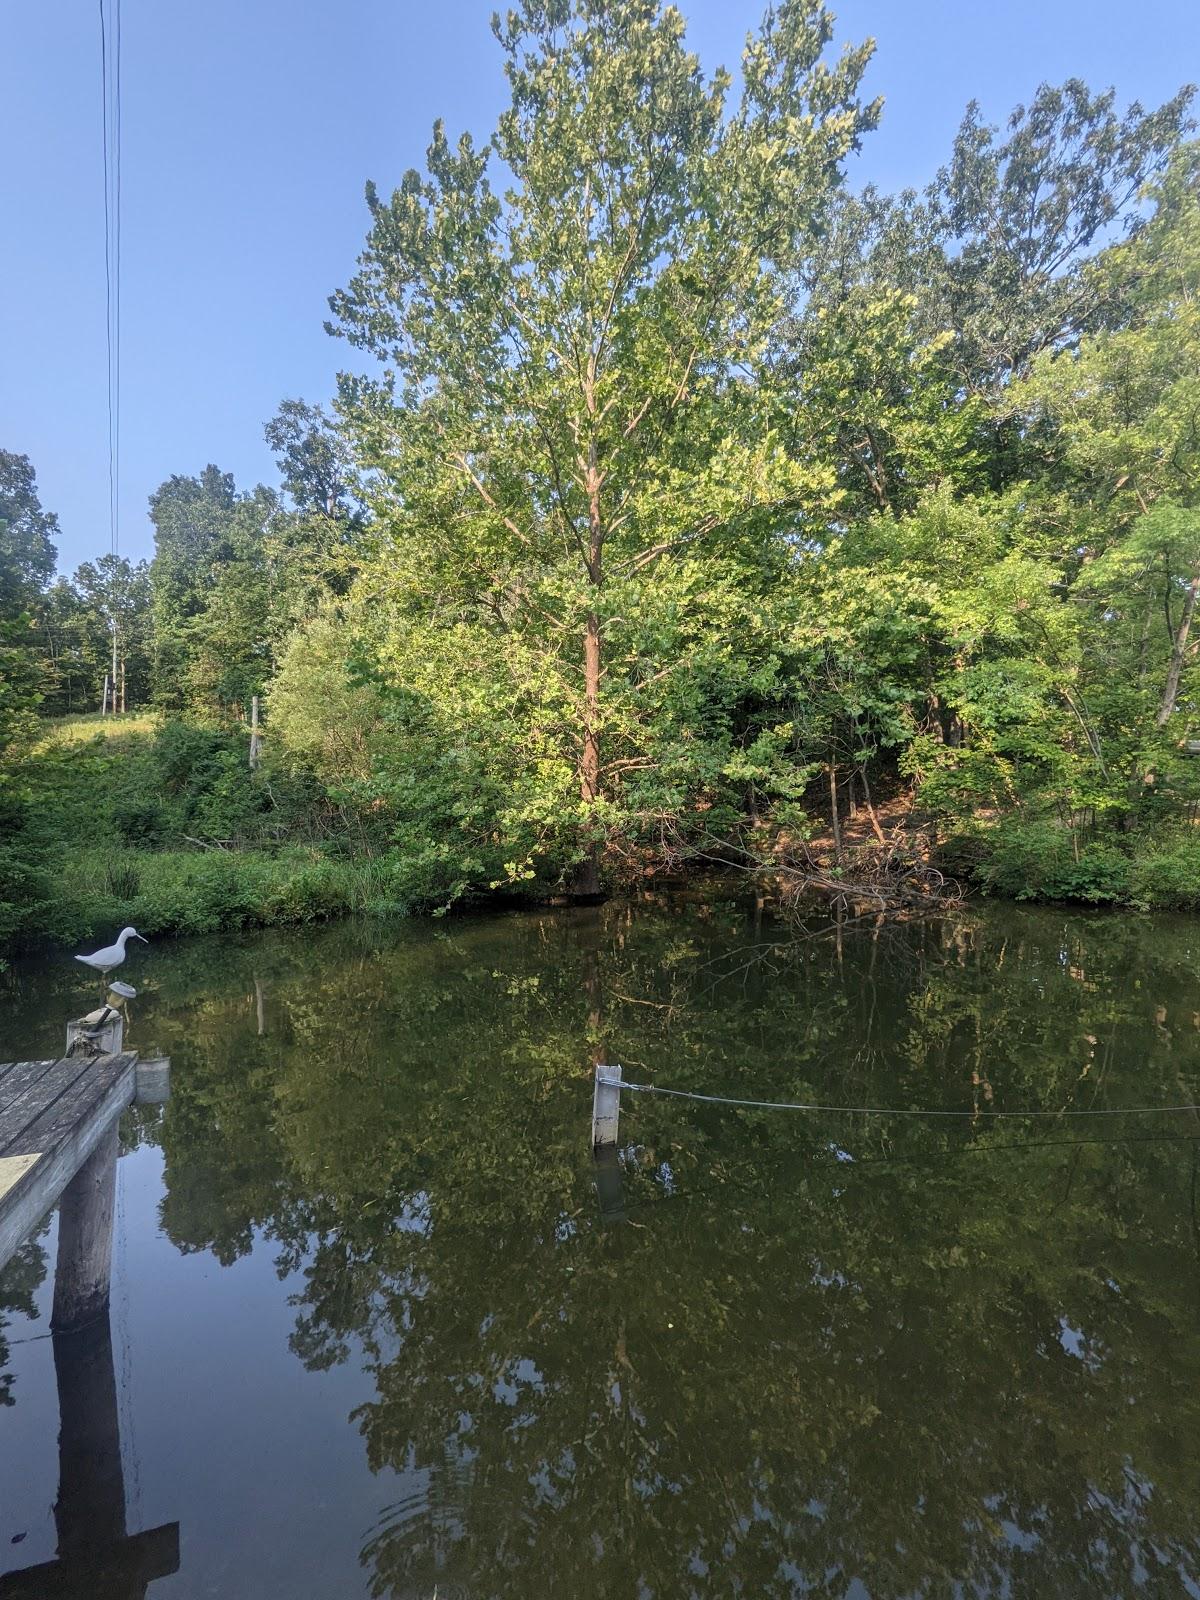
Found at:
(27, 534)
(113, 598)
(576, 443)
(27, 557)
(211, 592)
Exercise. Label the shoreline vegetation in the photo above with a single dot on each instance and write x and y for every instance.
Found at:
(85, 768)
(692, 509)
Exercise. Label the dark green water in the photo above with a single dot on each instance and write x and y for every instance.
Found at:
(373, 1336)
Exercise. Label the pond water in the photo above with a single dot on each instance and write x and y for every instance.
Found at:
(375, 1332)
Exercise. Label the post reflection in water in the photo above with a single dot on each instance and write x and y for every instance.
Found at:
(817, 1355)
(97, 1558)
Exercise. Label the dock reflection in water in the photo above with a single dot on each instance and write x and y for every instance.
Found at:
(410, 1351)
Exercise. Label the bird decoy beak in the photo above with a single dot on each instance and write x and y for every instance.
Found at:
(142, 937)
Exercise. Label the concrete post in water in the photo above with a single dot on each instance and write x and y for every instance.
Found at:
(153, 1081)
(606, 1107)
(85, 1224)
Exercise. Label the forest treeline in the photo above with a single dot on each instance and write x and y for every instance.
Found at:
(689, 504)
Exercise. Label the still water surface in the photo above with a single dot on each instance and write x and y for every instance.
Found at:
(373, 1336)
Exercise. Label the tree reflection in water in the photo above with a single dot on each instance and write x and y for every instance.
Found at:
(20, 1279)
(938, 1357)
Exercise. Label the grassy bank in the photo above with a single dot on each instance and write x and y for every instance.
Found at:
(194, 891)
(162, 826)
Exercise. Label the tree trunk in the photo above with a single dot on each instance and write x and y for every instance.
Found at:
(833, 812)
(862, 772)
(587, 880)
(1178, 651)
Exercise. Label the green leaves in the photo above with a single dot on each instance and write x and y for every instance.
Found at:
(578, 431)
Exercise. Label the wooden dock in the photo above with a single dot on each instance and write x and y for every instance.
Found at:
(58, 1145)
(53, 1115)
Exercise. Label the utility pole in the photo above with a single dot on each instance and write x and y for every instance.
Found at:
(255, 742)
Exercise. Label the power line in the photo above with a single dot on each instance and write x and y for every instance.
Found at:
(110, 100)
(117, 295)
(110, 87)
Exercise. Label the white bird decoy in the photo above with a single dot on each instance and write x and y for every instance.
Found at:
(112, 956)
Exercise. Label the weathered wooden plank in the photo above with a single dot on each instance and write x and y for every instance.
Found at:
(100, 1033)
(40, 1090)
(8, 1066)
(23, 1076)
(36, 1191)
(13, 1168)
(606, 1107)
(77, 1102)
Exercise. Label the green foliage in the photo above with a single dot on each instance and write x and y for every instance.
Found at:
(27, 533)
(321, 714)
(77, 619)
(1043, 860)
(684, 495)
(577, 440)
(164, 825)
(192, 892)
(1167, 874)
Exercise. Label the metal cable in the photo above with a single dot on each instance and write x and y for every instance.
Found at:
(890, 1111)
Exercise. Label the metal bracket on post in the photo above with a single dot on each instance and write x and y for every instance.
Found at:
(606, 1107)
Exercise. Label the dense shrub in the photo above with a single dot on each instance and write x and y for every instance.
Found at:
(1168, 875)
(1042, 860)
(189, 781)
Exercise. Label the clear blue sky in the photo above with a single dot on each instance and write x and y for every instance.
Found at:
(249, 128)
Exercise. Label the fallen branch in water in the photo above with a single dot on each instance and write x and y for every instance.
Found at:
(887, 878)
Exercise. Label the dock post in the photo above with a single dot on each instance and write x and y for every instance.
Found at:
(101, 1033)
(85, 1228)
(606, 1107)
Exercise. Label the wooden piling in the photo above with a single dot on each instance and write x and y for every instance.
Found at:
(100, 1033)
(85, 1224)
(606, 1107)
